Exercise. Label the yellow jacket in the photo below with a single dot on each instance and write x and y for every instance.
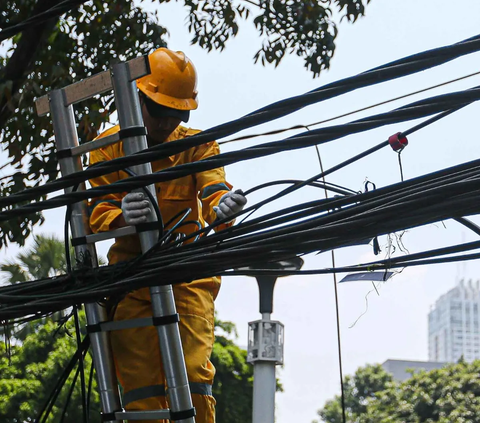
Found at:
(200, 192)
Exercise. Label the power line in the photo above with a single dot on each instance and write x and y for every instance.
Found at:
(57, 10)
(393, 70)
(353, 112)
(415, 110)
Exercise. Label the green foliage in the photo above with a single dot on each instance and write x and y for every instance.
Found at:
(46, 258)
(450, 394)
(83, 42)
(28, 377)
(358, 389)
(234, 378)
(90, 38)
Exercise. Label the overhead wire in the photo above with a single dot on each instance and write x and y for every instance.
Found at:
(42, 17)
(320, 225)
(389, 71)
(333, 223)
(447, 103)
(353, 112)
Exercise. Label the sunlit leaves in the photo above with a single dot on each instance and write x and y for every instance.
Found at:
(301, 27)
(85, 41)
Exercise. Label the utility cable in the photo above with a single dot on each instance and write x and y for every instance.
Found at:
(337, 311)
(54, 11)
(412, 111)
(343, 221)
(353, 112)
(389, 71)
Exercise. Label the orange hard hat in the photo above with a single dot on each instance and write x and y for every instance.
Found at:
(172, 81)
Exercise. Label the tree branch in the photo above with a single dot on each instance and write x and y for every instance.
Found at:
(19, 64)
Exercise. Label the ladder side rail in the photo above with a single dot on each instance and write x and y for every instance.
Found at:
(163, 303)
(66, 137)
(93, 85)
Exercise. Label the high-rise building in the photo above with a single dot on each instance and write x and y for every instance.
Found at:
(453, 324)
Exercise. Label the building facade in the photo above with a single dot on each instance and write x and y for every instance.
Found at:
(453, 325)
(402, 370)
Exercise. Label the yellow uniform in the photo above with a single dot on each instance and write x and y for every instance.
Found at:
(136, 351)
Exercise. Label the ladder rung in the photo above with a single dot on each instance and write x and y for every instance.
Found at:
(95, 145)
(116, 233)
(143, 415)
(94, 85)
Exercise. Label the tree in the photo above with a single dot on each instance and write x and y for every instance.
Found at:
(46, 258)
(28, 377)
(359, 389)
(233, 387)
(450, 394)
(93, 36)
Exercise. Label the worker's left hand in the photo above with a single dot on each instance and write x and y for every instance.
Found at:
(230, 203)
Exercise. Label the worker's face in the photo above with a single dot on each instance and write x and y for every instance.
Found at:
(158, 128)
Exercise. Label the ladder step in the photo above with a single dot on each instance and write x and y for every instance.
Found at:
(103, 236)
(95, 145)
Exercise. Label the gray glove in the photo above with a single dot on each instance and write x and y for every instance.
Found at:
(135, 208)
(230, 203)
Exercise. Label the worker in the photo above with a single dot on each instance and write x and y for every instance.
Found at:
(167, 95)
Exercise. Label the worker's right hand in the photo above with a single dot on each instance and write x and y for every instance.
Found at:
(135, 208)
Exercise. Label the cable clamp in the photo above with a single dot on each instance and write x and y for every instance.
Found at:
(81, 240)
(182, 415)
(64, 153)
(398, 142)
(166, 320)
(147, 226)
(109, 417)
(94, 328)
(133, 131)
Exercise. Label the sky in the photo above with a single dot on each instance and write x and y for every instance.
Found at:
(374, 328)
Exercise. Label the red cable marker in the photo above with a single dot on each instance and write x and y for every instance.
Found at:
(398, 142)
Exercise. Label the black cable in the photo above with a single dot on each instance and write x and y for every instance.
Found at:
(399, 68)
(186, 211)
(314, 137)
(42, 17)
(70, 392)
(81, 368)
(90, 382)
(337, 222)
(316, 184)
(47, 408)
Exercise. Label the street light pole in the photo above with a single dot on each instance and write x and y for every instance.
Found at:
(265, 344)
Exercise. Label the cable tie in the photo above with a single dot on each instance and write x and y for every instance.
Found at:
(182, 415)
(398, 142)
(108, 417)
(81, 240)
(133, 131)
(147, 226)
(64, 153)
(94, 328)
(166, 320)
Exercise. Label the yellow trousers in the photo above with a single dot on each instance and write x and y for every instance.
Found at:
(137, 353)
